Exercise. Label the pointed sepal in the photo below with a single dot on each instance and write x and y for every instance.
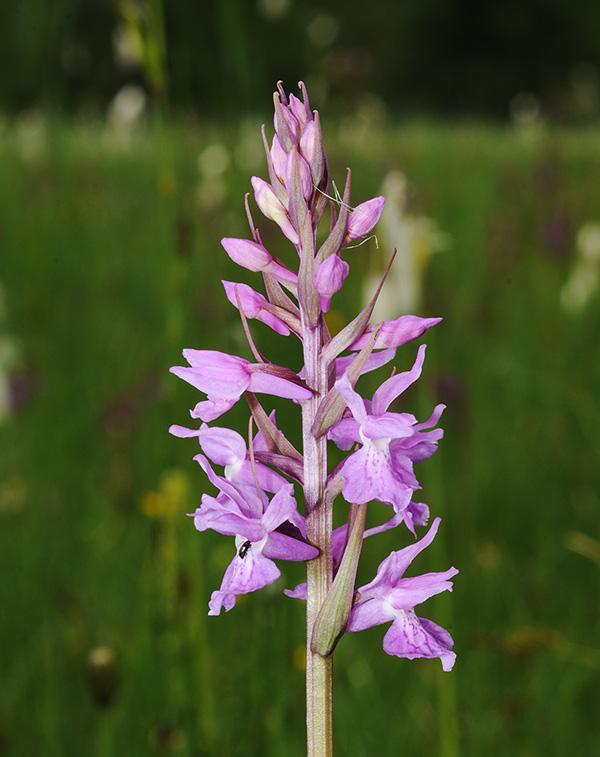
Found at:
(333, 404)
(274, 439)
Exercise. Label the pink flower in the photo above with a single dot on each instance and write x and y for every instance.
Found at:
(226, 447)
(382, 469)
(260, 535)
(390, 596)
(224, 378)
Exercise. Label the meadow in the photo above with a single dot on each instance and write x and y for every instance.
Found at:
(111, 264)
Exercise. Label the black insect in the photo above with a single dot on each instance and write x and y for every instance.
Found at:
(243, 550)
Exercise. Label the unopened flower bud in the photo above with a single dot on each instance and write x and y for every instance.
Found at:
(363, 218)
(330, 278)
(395, 333)
(304, 177)
(286, 125)
(278, 157)
(308, 141)
(301, 110)
(273, 208)
(254, 305)
(254, 257)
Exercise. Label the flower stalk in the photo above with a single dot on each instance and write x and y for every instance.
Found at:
(256, 500)
(319, 572)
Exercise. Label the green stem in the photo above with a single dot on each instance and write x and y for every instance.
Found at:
(319, 721)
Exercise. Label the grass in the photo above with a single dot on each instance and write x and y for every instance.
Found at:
(110, 268)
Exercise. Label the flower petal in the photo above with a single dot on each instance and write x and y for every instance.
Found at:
(280, 508)
(268, 383)
(255, 257)
(368, 614)
(283, 547)
(330, 278)
(210, 410)
(353, 399)
(219, 375)
(219, 518)
(395, 333)
(271, 207)
(413, 637)
(394, 386)
(222, 445)
(254, 305)
(298, 592)
(394, 566)
(410, 592)
(244, 574)
(374, 361)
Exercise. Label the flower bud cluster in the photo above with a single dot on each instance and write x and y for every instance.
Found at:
(256, 501)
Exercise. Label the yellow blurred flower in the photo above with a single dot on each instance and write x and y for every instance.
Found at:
(171, 499)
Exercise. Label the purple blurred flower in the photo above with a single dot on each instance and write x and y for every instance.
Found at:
(390, 596)
(225, 378)
(382, 468)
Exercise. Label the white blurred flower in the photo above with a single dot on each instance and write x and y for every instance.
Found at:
(125, 112)
(213, 161)
(249, 154)
(416, 238)
(323, 30)
(274, 9)
(127, 47)
(583, 281)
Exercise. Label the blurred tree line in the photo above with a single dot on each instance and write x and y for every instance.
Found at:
(437, 57)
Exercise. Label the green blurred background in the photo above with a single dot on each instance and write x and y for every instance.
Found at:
(128, 134)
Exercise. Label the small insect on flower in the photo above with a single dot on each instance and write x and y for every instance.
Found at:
(243, 551)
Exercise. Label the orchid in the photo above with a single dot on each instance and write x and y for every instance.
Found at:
(224, 378)
(247, 514)
(383, 467)
(390, 596)
(255, 500)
